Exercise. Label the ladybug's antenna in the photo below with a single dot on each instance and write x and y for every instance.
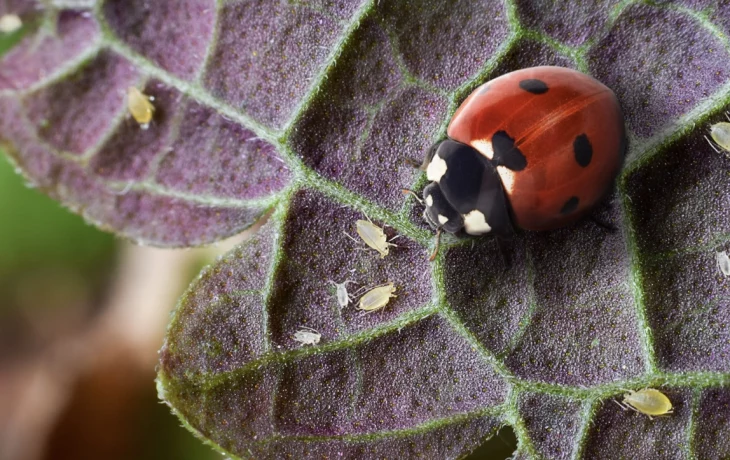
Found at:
(436, 249)
(415, 195)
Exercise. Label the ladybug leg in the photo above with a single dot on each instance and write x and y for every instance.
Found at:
(503, 254)
(601, 215)
(609, 227)
(415, 195)
(414, 164)
(436, 249)
(426, 160)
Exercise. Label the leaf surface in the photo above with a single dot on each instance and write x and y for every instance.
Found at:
(312, 110)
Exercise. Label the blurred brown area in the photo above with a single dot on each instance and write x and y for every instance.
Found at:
(87, 390)
(82, 316)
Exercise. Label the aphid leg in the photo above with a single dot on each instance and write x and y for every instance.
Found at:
(344, 283)
(727, 115)
(356, 242)
(351, 237)
(360, 290)
(633, 408)
(415, 195)
(626, 406)
(392, 244)
(619, 404)
(436, 249)
(712, 144)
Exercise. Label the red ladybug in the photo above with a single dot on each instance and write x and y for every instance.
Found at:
(536, 148)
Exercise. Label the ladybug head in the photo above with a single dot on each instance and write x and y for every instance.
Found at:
(438, 212)
(465, 193)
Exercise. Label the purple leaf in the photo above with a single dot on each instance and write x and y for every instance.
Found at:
(552, 422)
(314, 111)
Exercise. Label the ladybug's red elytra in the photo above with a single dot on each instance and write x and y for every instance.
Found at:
(536, 148)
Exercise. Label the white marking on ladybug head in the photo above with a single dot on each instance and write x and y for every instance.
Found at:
(476, 224)
(508, 178)
(429, 201)
(484, 147)
(436, 169)
(443, 219)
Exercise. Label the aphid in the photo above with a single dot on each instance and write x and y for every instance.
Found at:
(9, 23)
(647, 401)
(377, 298)
(307, 336)
(720, 134)
(723, 262)
(343, 298)
(140, 107)
(373, 236)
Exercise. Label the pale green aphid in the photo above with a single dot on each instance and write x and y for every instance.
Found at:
(343, 297)
(377, 298)
(373, 236)
(647, 401)
(720, 134)
(140, 106)
(307, 336)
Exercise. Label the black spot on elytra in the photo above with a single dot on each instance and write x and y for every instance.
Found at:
(570, 205)
(534, 86)
(583, 150)
(506, 153)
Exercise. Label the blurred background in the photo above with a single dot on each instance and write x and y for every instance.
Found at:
(82, 315)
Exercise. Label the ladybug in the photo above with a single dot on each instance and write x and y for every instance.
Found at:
(535, 149)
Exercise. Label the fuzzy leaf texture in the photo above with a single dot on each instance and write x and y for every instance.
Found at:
(311, 110)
